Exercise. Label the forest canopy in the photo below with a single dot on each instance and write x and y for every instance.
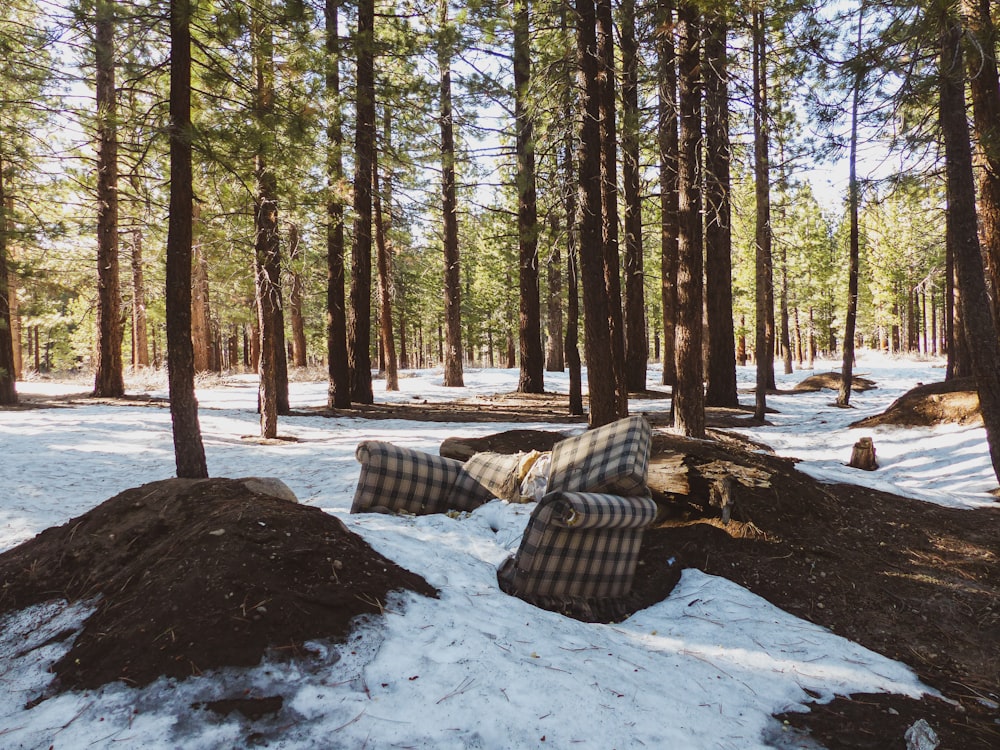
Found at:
(379, 186)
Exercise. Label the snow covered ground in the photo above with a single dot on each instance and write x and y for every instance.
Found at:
(475, 669)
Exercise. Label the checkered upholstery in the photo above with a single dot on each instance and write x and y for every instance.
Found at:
(613, 458)
(395, 479)
(498, 472)
(578, 553)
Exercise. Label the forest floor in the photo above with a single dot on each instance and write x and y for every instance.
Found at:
(911, 580)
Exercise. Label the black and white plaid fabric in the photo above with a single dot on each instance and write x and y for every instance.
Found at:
(578, 547)
(613, 458)
(498, 472)
(395, 479)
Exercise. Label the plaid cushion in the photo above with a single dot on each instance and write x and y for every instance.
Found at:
(613, 458)
(499, 472)
(578, 546)
(395, 479)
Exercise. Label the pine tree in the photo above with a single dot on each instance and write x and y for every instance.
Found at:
(189, 452)
(689, 394)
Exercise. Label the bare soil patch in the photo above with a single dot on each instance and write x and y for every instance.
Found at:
(951, 401)
(189, 575)
(830, 381)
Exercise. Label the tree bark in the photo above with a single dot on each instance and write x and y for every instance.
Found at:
(962, 224)
(189, 452)
(847, 367)
(109, 378)
(359, 319)
(570, 192)
(532, 375)
(984, 85)
(267, 258)
(764, 328)
(667, 139)
(784, 327)
(384, 264)
(636, 338)
(689, 392)
(453, 375)
(555, 361)
(201, 334)
(596, 313)
(8, 374)
(338, 370)
(609, 197)
(12, 284)
(296, 298)
(721, 389)
(140, 332)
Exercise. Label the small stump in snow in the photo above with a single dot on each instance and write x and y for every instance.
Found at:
(863, 455)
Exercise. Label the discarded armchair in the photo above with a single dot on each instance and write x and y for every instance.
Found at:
(578, 554)
(396, 479)
(580, 549)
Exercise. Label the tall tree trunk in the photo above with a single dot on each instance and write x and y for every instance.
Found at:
(201, 332)
(783, 323)
(961, 218)
(296, 298)
(109, 377)
(689, 393)
(453, 375)
(140, 332)
(532, 376)
(596, 313)
(554, 359)
(636, 339)
(667, 139)
(359, 321)
(338, 370)
(956, 345)
(721, 390)
(8, 374)
(267, 265)
(12, 283)
(570, 192)
(764, 338)
(384, 263)
(984, 84)
(189, 452)
(609, 197)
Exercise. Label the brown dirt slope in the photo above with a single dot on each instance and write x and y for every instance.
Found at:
(955, 401)
(191, 575)
(911, 580)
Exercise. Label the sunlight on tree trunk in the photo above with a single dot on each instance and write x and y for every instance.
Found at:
(977, 317)
(338, 371)
(109, 378)
(453, 375)
(189, 452)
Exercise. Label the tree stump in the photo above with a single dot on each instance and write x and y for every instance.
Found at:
(722, 495)
(863, 455)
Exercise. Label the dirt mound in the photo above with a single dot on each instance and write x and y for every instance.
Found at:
(950, 401)
(911, 580)
(830, 381)
(511, 441)
(194, 574)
